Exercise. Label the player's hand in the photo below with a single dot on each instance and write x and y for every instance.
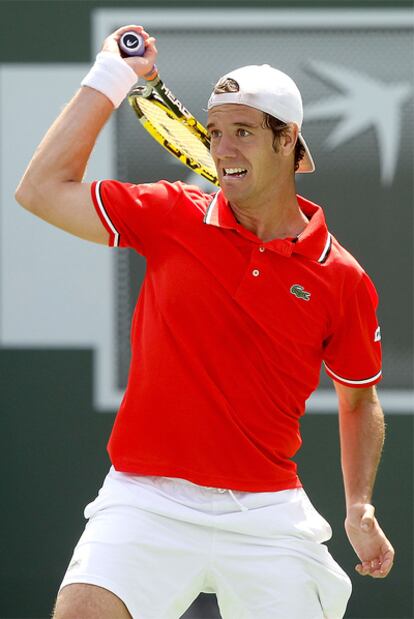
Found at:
(142, 65)
(369, 541)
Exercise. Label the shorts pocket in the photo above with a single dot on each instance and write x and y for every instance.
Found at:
(312, 525)
(299, 519)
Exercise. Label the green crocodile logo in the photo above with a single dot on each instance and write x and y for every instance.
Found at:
(300, 292)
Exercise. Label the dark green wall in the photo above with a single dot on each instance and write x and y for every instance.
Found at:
(53, 441)
(50, 26)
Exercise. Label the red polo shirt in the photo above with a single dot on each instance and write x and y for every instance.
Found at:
(228, 336)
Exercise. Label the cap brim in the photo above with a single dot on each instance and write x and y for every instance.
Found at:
(306, 164)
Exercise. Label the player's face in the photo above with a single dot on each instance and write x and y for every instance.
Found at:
(242, 148)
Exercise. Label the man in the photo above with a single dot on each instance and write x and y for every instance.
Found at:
(245, 294)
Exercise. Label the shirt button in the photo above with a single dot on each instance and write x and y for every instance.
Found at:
(255, 272)
(262, 249)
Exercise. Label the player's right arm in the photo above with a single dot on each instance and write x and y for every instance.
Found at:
(52, 186)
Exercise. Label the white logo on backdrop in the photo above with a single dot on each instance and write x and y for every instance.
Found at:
(364, 103)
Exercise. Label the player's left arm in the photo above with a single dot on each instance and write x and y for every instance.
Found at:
(361, 425)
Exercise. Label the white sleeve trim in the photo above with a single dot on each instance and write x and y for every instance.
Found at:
(365, 381)
(105, 214)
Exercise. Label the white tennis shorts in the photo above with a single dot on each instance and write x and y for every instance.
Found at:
(158, 542)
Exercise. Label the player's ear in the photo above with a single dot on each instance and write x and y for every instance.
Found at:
(289, 138)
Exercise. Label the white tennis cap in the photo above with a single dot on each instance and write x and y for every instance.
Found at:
(269, 90)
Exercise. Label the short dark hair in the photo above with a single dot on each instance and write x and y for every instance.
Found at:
(277, 126)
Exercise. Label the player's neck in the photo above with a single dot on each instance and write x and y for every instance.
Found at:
(275, 216)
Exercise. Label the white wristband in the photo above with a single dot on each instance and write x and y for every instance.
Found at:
(112, 76)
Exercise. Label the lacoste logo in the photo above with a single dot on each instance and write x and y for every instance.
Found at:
(74, 563)
(377, 336)
(300, 292)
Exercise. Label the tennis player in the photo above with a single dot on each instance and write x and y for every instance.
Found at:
(246, 294)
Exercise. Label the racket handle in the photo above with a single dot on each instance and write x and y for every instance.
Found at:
(131, 44)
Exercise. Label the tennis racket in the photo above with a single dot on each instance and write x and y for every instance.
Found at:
(166, 119)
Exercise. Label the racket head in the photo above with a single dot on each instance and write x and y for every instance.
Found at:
(180, 134)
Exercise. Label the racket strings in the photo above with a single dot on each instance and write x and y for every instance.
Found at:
(177, 134)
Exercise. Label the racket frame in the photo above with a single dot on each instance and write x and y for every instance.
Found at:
(159, 94)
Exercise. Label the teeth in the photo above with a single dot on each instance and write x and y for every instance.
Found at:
(234, 170)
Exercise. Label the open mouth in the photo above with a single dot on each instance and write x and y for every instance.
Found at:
(234, 172)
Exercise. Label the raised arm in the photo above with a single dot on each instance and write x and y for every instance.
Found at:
(52, 186)
(361, 424)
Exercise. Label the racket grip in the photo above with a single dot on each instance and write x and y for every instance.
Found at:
(131, 44)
